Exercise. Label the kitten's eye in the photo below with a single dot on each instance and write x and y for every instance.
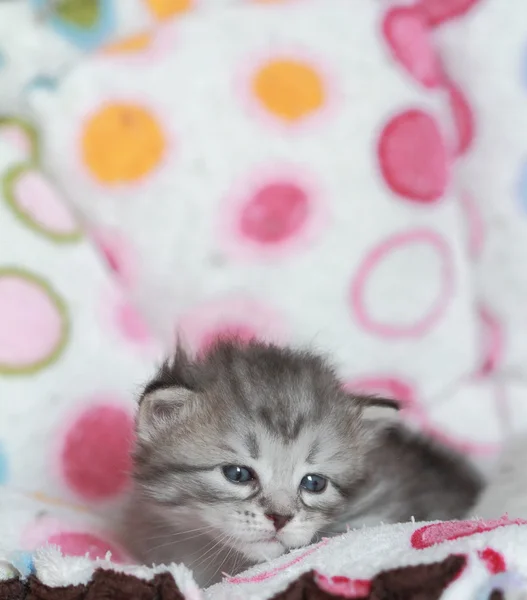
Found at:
(314, 483)
(238, 474)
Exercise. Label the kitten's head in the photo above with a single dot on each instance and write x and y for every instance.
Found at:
(259, 443)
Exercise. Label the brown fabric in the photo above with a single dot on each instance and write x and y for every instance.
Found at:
(110, 585)
(303, 588)
(166, 587)
(36, 590)
(12, 589)
(420, 582)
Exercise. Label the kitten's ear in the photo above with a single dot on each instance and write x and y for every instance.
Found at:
(169, 398)
(162, 408)
(374, 408)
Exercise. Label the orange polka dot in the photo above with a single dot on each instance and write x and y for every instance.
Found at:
(122, 143)
(164, 9)
(134, 43)
(289, 89)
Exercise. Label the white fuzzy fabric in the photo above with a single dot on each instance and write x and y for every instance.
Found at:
(357, 555)
(485, 53)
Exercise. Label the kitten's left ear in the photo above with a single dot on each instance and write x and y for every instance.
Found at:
(375, 408)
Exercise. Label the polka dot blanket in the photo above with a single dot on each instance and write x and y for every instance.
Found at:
(204, 168)
(298, 184)
(464, 560)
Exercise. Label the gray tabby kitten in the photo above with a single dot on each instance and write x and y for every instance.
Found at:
(251, 450)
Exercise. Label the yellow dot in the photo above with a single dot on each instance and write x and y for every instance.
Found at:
(122, 143)
(289, 89)
(164, 9)
(134, 43)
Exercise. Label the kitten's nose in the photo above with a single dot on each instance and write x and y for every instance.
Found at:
(279, 521)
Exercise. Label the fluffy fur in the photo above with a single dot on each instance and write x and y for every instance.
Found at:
(283, 414)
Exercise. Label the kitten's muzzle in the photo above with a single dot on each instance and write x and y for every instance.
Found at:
(279, 521)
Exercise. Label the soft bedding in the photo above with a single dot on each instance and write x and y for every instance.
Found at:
(373, 209)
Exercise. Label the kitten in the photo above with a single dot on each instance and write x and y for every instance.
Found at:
(251, 450)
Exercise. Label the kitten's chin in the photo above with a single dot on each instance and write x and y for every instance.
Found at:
(258, 552)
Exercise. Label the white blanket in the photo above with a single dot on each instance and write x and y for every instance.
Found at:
(484, 556)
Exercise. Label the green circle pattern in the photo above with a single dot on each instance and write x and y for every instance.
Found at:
(14, 173)
(31, 133)
(61, 307)
(10, 179)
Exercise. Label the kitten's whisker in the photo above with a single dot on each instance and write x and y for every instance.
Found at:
(177, 537)
(177, 521)
(231, 549)
(174, 540)
(210, 545)
(206, 557)
(176, 534)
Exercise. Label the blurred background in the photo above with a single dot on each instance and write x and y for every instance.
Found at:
(348, 175)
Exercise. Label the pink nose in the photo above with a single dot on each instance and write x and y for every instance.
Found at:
(279, 521)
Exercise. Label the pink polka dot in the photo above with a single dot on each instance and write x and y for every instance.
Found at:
(241, 333)
(492, 342)
(132, 325)
(494, 561)
(95, 455)
(343, 587)
(408, 36)
(413, 157)
(277, 211)
(437, 533)
(376, 283)
(463, 118)
(119, 254)
(38, 204)
(127, 323)
(82, 544)
(474, 225)
(237, 317)
(439, 11)
(33, 322)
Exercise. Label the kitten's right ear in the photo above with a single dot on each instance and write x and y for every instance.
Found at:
(162, 408)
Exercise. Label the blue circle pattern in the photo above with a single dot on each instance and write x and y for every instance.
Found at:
(85, 38)
(41, 82)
